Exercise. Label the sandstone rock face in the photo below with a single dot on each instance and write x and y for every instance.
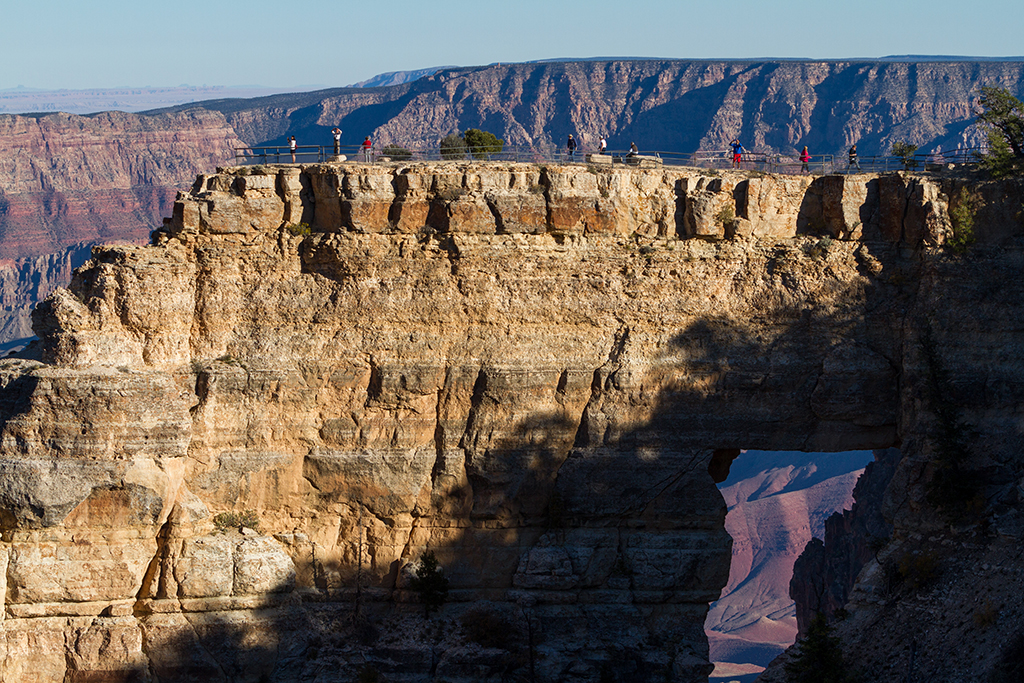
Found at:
(523, 370)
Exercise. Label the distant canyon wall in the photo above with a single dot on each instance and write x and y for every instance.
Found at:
(667, 105)
(66, 179)
(25, 281)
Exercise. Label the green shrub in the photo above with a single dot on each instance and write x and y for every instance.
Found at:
(234, 520)
(397, 153)
(725, 215)
(905, 151)
(961, 215)
(453, 147)
(482, 144)
(819, 248)
(298, 229)
(919, 571)
(430, 582)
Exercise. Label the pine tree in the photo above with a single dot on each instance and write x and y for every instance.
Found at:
(1002, 117)
(818, 658)
(430, 582)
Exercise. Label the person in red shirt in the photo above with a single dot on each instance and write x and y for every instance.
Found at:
(367, 146)
(804, 159)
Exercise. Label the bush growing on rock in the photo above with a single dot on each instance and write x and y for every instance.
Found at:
(482, 144)
(234, 520)
(905, 151)
(453, 147)
(396, 153)
(961, 214)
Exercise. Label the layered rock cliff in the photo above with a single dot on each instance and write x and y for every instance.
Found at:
(527, 371)
(66, 179)
(112, 176)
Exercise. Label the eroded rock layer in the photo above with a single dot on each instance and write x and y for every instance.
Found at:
(523, 370)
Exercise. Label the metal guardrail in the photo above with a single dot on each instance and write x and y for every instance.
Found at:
(711, 159)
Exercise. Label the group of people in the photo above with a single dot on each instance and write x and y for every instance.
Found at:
(366, 148)
(571, 146)
(805, 157)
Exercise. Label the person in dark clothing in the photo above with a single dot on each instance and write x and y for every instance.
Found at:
(853, 159)
(570, 147)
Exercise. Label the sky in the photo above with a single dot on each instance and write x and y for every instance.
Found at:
(55, 44)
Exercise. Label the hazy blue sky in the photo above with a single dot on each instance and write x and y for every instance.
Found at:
(108, 43)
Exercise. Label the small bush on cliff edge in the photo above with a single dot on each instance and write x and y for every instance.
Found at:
(482, 144)
(235, 520)
(453, 147)
(905, 151)
(396, 153)
(961, 215)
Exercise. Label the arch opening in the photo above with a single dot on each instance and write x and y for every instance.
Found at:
(777, 502)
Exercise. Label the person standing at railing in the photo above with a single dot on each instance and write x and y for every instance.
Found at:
(367, 149)
(291, 147)
(737, 152)
(853, 158)
(570, 147)
(602, 146)
(336, 132)
(804, 160)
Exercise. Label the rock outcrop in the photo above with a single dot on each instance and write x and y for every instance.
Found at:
(526, 371)
(826, 571)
